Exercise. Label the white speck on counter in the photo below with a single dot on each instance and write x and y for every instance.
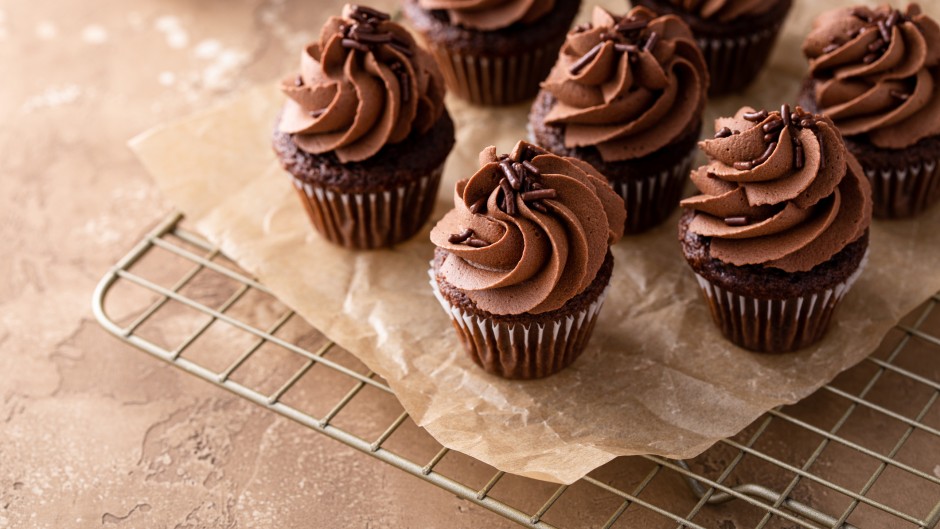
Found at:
(166, 78)
(94, 34)
(53, 96)
(222, 72)
(208, 49)
(46, 30)
(172, 29)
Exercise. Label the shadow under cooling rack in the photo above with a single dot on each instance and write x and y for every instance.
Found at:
(864, 451)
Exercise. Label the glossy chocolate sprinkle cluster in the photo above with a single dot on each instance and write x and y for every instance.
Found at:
(520, 178)
(875, 21)
(797, 120)
(629, 35)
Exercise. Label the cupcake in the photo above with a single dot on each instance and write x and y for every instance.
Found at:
(736, 36)
(876, 73)
(627, 96)
(493, 52)
(523, 261)
(780, 231)
(364, 132)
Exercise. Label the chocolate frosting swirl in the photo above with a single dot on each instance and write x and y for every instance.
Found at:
(724, 10)
(362, 85)
(489, 15)
(878, 73)
(781, 193)
(540, 248)
(628, 85)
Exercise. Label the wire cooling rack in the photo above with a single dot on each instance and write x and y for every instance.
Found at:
(863, 452)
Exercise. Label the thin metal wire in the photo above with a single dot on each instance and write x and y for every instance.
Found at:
(166, 237)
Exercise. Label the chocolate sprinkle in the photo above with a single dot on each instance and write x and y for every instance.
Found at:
(509, 200)
(773, 126)
(798, 157)
(477, 243)
(299, 81)
(539, 194)
(459, 238)
(723, 133)
(651, 42)
(626, 26)
(884, 31)
(767, 153)
(743, 166)
(737, 221)
(317, 113)
(507, 169)
(758, 116)
(831, 48)
(531, 168)
(897, 94)
(354, 44)
(785, 114)
(538, 206)
(586, 58)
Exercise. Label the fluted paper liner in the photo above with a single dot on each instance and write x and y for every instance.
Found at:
(734, 62)
(652, 199)
(370, 220)
(496, 79)
(775, 325)
(905, 190)
(657, 376)
(522, 351)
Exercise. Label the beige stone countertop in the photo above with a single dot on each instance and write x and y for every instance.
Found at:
(94, 433)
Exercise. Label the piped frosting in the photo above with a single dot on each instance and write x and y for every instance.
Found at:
(780, 190)
(529, 231)
(629, 85)
(878, 73)
(363, 85)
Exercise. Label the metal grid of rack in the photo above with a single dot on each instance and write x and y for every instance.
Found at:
(864, 451)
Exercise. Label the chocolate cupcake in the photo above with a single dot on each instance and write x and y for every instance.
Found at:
(523, 260)
(627, 96)
(364, 132)
(876, 73)
(736, 36)
(493, 52)
(780, 231)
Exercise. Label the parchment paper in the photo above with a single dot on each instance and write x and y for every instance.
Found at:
(657, 378)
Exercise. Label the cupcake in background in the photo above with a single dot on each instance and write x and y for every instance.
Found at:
(780, 231)
(627, 96)
(736, 36)
(876, 73)
(523, 260)
(364, 132)
(493, 52)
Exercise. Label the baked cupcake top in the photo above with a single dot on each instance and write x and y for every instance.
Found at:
(489, 15)
(877, 72)
(628, 85)
(529, 231)
(780, 190)
(364, 84)
(724, 10)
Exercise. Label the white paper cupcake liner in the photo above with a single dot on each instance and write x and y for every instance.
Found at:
(775, 325)
(495, 80)
(370, 220)
(733, 63)
(522, 351)
(903, 192)
(650, 200)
